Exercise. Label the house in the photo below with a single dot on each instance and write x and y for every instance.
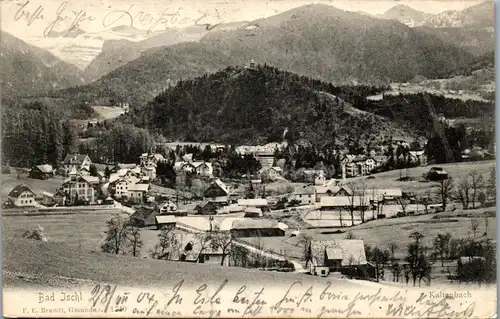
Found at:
(206, 208)
(320, 179)
(76, 161)
(271, 173)
(305, 195)
(44, 171)
(168, 207)
(120, 187)
(327, 256)
(333, 190)
(203, 169)
(147, 159)
(254, 202)
(250, 227)
(59, 198)
(137, 192)
(81, 188)
(84, 170)
(253, 212)
(162, 221)
(309, 175)
(358, 165)
(193, 251)
(387, 194)
(48, 199)
(437, 174)
(149, 171)
(418, 157)
(217, 193)
(22, 196)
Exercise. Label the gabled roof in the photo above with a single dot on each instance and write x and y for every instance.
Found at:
(249, 223)
(255, 202)
(165, 219)
(91, 179)
(351, 251)
(75, 158)
(45, 168)
(138, 187)
(343, 201)
(18, 190)
(221, 185)
(47, 194)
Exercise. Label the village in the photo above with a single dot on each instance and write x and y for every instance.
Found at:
(260, 220)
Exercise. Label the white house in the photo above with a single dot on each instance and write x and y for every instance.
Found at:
(320, 179)
(136, 192)
(305, 195)
(22, 196)
(203, 169)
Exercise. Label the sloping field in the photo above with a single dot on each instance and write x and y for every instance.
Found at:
(108, 112)
(390, 179)
(82, 230)
(45, 262)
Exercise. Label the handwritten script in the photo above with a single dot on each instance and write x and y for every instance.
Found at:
(299, 299)
(67, 19)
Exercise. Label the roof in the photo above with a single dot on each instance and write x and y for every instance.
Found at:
(351, 251)
(91, 179)
(74, 158)
(307, 190)
(314, 172)
(248, 223)
(233, 208)
(255, 202)
(45, 168)
(165, 219)
(18, 190)
(342, 201)
(333, 189)
(123, 165)
(138, 187)
(47, 194)
(200, 223)
(389, 192)
(253, 210)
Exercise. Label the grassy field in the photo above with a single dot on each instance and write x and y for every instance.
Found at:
(108, 112)
(9, 181)
(44, 263)
(82, 231)
(390, 179)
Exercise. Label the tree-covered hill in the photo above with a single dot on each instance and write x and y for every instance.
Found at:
(257, 105)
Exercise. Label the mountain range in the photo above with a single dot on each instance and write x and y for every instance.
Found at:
(28, 70)
(319, 41)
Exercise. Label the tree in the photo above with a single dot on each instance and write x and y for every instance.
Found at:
(222, 241)
(492, 183)
(477, 183)
(349, 235)
(445, 187)
(482, 198)
(416, 236)
(107, 172)
(305, 243)
(392, 247)
(116, 235)
(361, 190)
(441, 245)
(426, 201)
(463, 192)
(474, 224)
(167, 241)
(205, 240)
(134, 240)
(403, 202)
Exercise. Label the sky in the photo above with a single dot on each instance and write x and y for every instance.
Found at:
(27, 18)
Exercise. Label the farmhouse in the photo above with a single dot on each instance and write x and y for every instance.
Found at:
(76, 161)
(48, 198)
(320, 179)
(305, 195)
(42, 171)
(206, 208)
(385, 194)
(437, 174)
(253, 212)
(309, 175)
(22, 196)
(168, 207)
(334, 190)
(203, 169)
(193, 251)
(328, 256)
(217, 193)
(59, 198)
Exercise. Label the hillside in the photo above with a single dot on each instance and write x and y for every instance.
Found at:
(116, 53)
(256, 105)
(319, 41)
(405, 14)
(28, 70)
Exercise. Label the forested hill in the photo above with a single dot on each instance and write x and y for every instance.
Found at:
(257, 105)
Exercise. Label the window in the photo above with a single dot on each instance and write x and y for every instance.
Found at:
(207, 257)
(323, 272)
